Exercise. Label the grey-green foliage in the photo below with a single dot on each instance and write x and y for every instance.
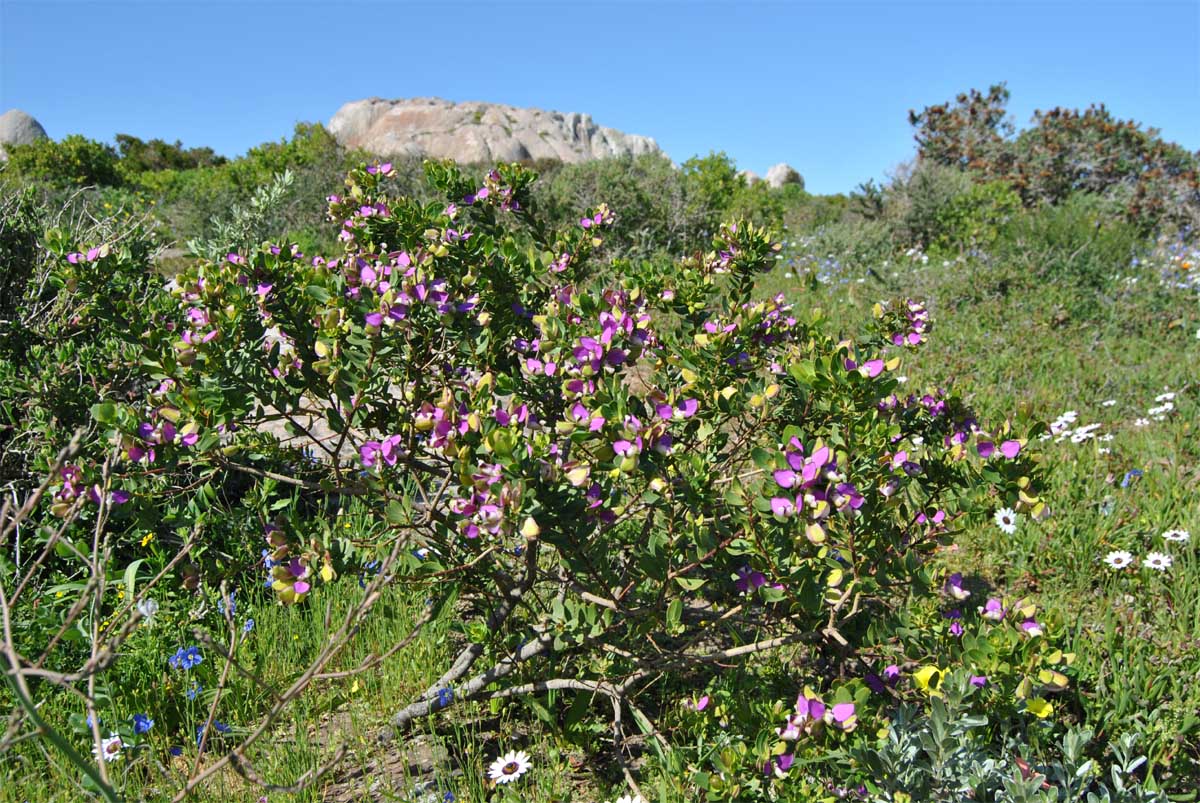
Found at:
(244, 225)
(947, 754)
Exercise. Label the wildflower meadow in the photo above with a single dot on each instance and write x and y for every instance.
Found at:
(613, 482)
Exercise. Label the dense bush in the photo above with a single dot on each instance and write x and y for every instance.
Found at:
(506, 419)
(73, 161)
(1066, 151)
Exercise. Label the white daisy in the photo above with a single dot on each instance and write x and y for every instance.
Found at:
(1108, 403)
(1141, 422)
(509, 767)
(1176, 535)
(1103, 450)
(1118, 559)
(1159, 561)
(110, 748)
(1006, 520)
(1164, 397)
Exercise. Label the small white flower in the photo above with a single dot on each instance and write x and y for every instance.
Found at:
(509, 767)
(1141, 422)
(1006, 520)
(1108, 403)
(630, 799)
(1164, 397)
(1159, 561)
(1103, 450)
(1180, 536)
(147, 607)
(110, 748)
(1106, 437)
(1118, 559)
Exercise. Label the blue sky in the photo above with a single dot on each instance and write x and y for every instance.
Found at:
(825, 86)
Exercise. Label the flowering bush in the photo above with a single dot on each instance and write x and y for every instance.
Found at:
(606, 476)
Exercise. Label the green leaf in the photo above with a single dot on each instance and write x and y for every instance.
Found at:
(105, 412)
(131, 576)
(317, 293)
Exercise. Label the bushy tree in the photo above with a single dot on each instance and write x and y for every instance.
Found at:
(73, 161)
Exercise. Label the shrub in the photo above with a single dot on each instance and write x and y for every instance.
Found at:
(74, 161)
(602, 481)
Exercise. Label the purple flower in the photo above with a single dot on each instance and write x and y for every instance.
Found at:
(1010, 449)
(992, 610)
(979, 681)
(749, 579)
(891, 673)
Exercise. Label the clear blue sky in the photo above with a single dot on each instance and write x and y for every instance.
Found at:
(824, 86)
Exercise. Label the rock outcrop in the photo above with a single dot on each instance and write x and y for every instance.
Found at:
(783, 173)
(478, 132)
(18, 128)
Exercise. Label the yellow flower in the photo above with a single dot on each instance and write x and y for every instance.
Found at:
(1039, 707)
(928, 678)
(147, 538)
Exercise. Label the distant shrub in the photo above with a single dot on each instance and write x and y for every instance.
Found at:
(1065, 151)
(1079, 241)
(138, 156)
(975, 218)
(915, 202)
(75, 160)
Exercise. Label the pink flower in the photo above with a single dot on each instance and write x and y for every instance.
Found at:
(1010, 449)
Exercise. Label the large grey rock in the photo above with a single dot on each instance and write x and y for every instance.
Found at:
(478, 132)
(783, 173)
(18, 128)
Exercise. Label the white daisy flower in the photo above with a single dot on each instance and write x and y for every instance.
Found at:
(1118, 559)
(1164, 397)
(1158, 561)
(1141, 422)
(509, 767)
(1106, 437)
(1006, 520)
(1103, 450)
(1176, 535)
(1108, 403)
(110, 748)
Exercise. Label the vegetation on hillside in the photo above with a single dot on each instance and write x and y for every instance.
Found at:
(437, 482)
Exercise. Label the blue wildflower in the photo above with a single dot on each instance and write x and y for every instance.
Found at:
(246, 628)
(142, 723)
(232, 604)
(194, 690)
(444, 697)
(1130, 476)
(175, 751)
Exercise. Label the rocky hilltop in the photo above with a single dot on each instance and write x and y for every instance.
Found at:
(18, 128)
(478, 132)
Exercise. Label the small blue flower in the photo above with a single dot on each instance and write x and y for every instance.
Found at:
(232, 604)
(89, 721)
(142, 723)
(246, 628)
(449, 798)
(444, 697)
(221, 727)
(194, 690)
(175, 751)
(1130, 476)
